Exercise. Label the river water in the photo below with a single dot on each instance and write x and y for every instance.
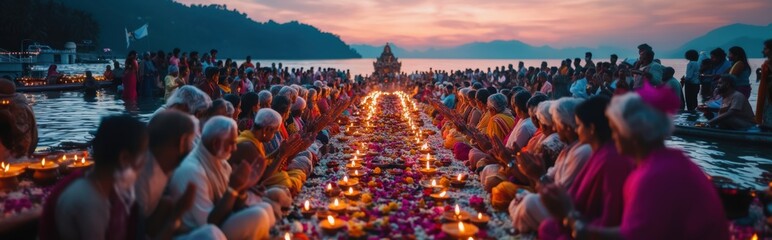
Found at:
(68, 116)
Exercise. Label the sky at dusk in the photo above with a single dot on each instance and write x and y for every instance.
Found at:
(419, 24)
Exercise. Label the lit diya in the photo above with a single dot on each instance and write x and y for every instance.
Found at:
(354, 164)
(458, 182)
(356, 134)
(425, 149)
(329, 191)
(352, 193)
(428, 170)
(426, 159)
(44, 173)
(77, 165)
(459, 230)
(8, 179)
(347, 183)
(440, 197)
(356, 173)
(307, 210)
(431, 184)
(456, 215)
(332, 225)
(337, 206)
(480, 220)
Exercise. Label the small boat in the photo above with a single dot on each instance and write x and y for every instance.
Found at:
(59, 87)
(724, 135)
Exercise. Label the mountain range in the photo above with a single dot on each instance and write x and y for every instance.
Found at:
(203, 27)
(749, 37)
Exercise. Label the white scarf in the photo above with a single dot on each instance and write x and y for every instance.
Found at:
(217, 170)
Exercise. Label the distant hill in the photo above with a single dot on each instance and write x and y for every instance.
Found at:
(29, 21)
(512, 49)
(749, 37)
(201, 28)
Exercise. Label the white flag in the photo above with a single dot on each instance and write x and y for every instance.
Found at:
(141, 32)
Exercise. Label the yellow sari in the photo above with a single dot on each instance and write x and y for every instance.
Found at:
(500, 125)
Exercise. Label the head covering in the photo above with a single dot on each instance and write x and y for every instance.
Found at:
(174, 69)
(267, 117)
(543, 113)
(300, 104)
(502, 194)
(498, 102)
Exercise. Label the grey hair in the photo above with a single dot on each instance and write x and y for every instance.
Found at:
(498, 102)
(190, 96)
(543, 113)
(267, 117)
(463, 92)
(275, 89)
(263, 97)
(299, 104)
(564, 110)
(288, 92)
(217, 127)
(634, 118)
(229, 108)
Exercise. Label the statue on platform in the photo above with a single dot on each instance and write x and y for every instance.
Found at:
(387, 67)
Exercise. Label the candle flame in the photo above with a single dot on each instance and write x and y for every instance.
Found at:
(350, 190)
(459, 177)
(329, 186)
(83, 160)
(331, 219)
(479, 215)
(442, 194)
(43, 162)
(336, 203)
(345, 179)
(434, 182)
(458, 210)
(64, 157)
(287, 236)
(461, 226)
(356, 172)
(355, 157)
(424, 147)
(307, 205)
(6, 167)
(427, 165)
(428, 157)
(755, 237)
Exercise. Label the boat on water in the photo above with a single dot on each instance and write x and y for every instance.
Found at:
(714, 134)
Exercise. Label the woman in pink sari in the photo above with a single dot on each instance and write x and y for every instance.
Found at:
(130, 78)
(667, 196)
(597, 190)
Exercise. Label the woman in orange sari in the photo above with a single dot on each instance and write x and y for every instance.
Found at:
(763, 102)
(497, 126)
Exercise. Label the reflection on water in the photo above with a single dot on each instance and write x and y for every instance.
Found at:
(71, 116)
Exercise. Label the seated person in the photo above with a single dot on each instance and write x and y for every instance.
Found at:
(119, 148)
(220, 195)
(735, 112)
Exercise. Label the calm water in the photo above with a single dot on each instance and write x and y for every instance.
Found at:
(68, 116)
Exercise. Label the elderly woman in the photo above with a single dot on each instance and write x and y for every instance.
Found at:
(188, 99)
(640, 123)
(499, 124)
(597, 191)
(479, 101)
(550, 145)
(172, 81)
(529, 212)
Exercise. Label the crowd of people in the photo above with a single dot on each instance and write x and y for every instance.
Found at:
(205, 166)
(580, 152)
(570, 151)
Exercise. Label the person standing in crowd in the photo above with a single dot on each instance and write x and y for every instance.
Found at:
(691, 80)
(130, 77)
(172, 81)
(764, 99)
(741, 70)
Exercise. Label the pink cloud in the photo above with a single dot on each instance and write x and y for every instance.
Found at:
(561, 23)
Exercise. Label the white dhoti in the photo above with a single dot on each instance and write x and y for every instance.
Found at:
(206, 232)
(250, 223)
(528, 214)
